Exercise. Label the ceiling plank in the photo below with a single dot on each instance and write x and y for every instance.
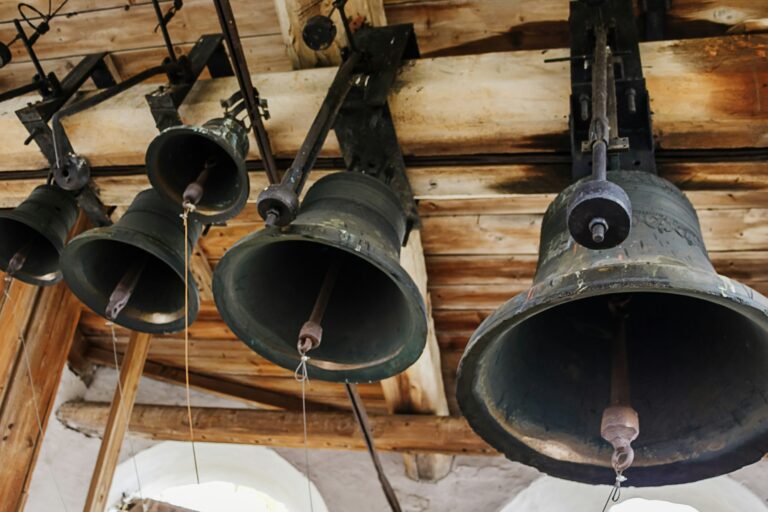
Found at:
(703, 92)
(329, 430)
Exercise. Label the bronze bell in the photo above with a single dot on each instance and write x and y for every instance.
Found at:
(204, 164)
(375, 321)
(536, 375)
(136, 266)
(33, 234)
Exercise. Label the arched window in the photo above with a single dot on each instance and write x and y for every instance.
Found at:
(720, 494)
(232, 477)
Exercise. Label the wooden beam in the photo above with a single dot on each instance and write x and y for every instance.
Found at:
(703, 96)
(328, 430)
(149, 505)
(294, 14)
(14, 318)
(201, 270)
(419, 389)
(117, 422)
(48, 334)
(216, 385)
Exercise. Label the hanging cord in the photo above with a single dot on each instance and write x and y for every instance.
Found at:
(35, 402)
(127, 418)
(302, 376)
(615, 494)
(188, 208)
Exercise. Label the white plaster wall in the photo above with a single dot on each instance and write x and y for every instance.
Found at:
(346, 480)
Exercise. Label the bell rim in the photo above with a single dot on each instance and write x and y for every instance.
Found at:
(153, 151)
(402, 360)
(735, 296)
(116, 233)
(36, 280)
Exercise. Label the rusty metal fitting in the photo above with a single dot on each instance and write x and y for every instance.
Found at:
(620, 426)
(310, 335)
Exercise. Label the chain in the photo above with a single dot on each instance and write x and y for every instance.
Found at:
(127, 418)
(188, 208)
(35, 402)
(302, 376)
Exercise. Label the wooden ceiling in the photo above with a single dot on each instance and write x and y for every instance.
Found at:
(485, 138)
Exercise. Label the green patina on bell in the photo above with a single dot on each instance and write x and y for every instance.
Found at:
(178, 155)
(375, 322)
(536, 375)
(34, 234)
(149, 241)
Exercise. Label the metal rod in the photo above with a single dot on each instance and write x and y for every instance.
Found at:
(20, 91)
(18, 259)
(231, 35)
(311, 332)
(125, 287)
(164, 30)
(193, 194)
(339, 5)
(298, 173)
(30, 50)
(600, 127)
(619, 364)
(358, 408)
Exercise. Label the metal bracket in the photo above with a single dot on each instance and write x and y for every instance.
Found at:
(364, 126)
(654, 18)
(208, 52)
(35, 117)
(632, 100)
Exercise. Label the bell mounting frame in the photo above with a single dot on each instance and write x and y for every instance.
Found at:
(356, 108)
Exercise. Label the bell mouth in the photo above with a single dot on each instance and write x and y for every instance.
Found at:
(94, 263)
(41, 267)
(374, 325)
(536, 376)
(177, 156)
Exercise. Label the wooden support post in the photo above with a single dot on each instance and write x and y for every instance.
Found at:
(293, 15)
(420, 388)
(403, 433)
(33, 379)
(117, 423)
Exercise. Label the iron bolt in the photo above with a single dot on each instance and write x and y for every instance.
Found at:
(631, 100)
(598, 226)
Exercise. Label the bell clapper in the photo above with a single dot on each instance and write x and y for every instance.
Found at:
(195, 190)
(18, 259)
(124, 289)
(620, 423)
(311, 332)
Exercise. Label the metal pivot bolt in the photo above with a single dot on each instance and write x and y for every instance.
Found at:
(632, 100)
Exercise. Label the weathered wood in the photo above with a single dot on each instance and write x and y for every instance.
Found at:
(148, 505)
(201, 271)
(703, 92)
(419, 389)
(14, 318)
(32, 389)
(117, 422)
(294, 14)
(217, 385)
(328, 430)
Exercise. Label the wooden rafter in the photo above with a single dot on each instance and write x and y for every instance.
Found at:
(329, 430)
(117, 422)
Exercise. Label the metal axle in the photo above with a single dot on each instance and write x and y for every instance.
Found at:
(124, 289)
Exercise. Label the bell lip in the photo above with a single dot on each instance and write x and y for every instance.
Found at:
(126, 236)
(679, 281)
(407, 356)
(48, 279)
(215, 215)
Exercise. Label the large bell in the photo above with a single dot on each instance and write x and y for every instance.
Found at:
(146, 248)
(536, 375)
(212, 155)
(375, 322)
(32, 235)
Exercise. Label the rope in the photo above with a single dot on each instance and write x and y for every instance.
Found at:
(127, 418)
(35, 402)
(188, 208)
(302, 376)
